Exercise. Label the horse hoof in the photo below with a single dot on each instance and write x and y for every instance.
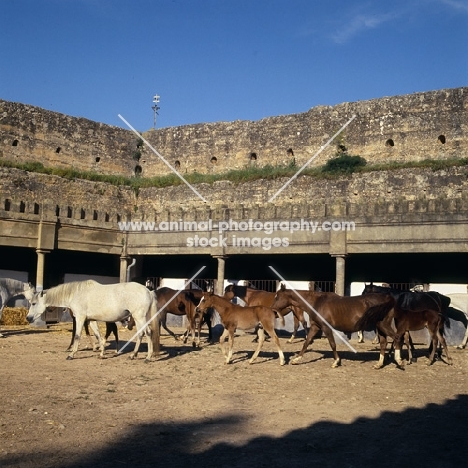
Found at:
(69, 358)
(296, 360)
(335, 365)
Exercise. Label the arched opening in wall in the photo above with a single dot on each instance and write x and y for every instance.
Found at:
(36, 208)
(69, 212)
(253, 156)
(106, 217)
(22, 207)
(389, 143)
(57, 210)
(97, 159)
(95, 215)
(15, 143)
(214, 160)
(82, 213)
(177, 165)
(118, 218)
(7, 205)
(58, 149)
(441, 139)
(290, 152)
(138, 170)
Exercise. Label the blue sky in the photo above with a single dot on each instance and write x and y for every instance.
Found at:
(224, 60)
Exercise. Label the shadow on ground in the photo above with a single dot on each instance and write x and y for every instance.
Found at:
(433, 436)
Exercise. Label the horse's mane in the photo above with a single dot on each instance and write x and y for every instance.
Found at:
(63, 292)
(11, 285)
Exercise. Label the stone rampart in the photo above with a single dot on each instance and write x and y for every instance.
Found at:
(430, 125)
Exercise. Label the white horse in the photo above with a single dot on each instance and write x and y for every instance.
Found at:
(90, 300)
(10, 288)
(460, 301)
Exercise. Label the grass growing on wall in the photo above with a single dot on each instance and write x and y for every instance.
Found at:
(268, 172)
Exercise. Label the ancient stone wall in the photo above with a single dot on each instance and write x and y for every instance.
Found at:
(30, 133)
(430, 125)
(389, 195)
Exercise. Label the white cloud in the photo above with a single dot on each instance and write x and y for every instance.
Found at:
(457, 5)
(359, 23)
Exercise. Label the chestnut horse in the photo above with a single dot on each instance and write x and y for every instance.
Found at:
(415, 311)
(234, 317)
(330, 311)
(254, 297)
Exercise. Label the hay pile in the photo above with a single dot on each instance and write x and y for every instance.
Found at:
(14, 316)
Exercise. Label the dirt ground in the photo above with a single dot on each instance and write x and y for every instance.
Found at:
(189, 408)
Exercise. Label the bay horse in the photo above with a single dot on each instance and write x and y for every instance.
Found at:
(254, 297)
(184, 303)
(234, 317)
(10, 288)
(345, 314)
(414, 311)
(117, 302)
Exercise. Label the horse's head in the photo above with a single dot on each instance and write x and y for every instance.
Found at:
(283, 299)
(368, 288)
(206, 302)
(229, 292)
(37, 307)
(29, 291)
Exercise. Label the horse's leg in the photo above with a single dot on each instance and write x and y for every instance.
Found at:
(440, 336)
(76, 339)
(111, 328)
(139, 336)
(296, 327)
(397, 344)
(409, 345)
(162, 321)
(360, 335)
(149, 339)
(261, 339)
(73, 334)
(331, 339)
(222, 339)
(210, 326)
(434, 342)
(464, 341)
(383, 347)
(230, 345)
(97, 335)
(313, 330)
(93, 344)
(272, 333)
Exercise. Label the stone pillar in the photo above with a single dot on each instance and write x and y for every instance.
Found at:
(340, 275)
(124, 259)
(40, 269)
(220, 277)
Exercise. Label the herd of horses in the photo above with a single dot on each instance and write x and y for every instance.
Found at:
(392, 314)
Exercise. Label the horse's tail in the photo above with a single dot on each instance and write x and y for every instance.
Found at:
(457, 315)
(374, 314)
(154, 325)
